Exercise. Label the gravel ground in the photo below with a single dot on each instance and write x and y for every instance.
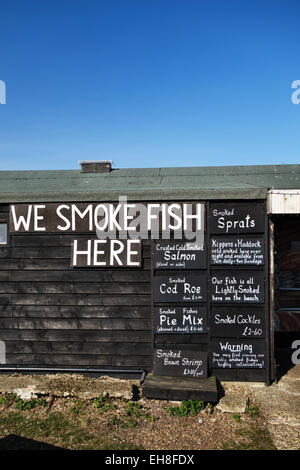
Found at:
(118, 424)
(61, 410)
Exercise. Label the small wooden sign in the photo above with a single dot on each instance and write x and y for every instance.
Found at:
(237, 322)
(237, 287)
(177, 362)
(237, 250)
(180, 320)
(225, 218)
(228, 353)
(181, 287)
(179, 254)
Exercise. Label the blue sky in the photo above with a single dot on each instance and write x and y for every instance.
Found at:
(149, 83)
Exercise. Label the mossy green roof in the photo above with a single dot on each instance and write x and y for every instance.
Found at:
(213, 182)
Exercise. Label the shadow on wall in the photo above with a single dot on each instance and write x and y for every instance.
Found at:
(15, 442)
(283, 356)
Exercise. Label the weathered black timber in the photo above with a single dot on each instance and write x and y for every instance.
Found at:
(76, 335)
(71, 311)
(84, 360)
(200, 339)
(63, 324)
(47, 264)
(91, 276)
(177, 388)
(64, 347)
(72, 288)
(52, 314)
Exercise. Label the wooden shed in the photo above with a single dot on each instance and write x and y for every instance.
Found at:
(226, 305)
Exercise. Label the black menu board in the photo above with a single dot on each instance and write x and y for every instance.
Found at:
(239, 218)
(237, 322)
(237, 287)
(179, 254)
(178, 362)
(182, 287)
(237, 250)
(215, 288)
(238, 353)
(184, 320)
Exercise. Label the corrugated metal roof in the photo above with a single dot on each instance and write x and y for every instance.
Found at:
(219, 182)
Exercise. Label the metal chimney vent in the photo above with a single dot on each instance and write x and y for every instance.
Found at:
(95, 166)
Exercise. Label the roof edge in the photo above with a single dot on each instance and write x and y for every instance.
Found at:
(142, 195)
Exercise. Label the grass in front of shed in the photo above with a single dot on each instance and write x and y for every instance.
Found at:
(68, 426)
(119, 424)
(55, 429)
(250, 438)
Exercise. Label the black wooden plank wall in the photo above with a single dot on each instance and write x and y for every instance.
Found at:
(54, 315)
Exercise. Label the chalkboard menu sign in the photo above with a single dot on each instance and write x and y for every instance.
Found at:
(237, 250)
(237, 287)
(238, 353)
(215, 288)
(237, 322)
(181, 287)
(174, 320)
(177, 362)
(179, 254)
(237, 218)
